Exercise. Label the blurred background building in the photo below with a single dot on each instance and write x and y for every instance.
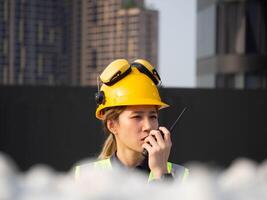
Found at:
(68, 42)
(232, 44)
(33, 47)
(116, 29)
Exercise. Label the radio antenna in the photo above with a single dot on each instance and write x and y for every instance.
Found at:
(173, 125)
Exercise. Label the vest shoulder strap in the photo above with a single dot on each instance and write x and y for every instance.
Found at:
(103, 164)
(179, 172)
(100, 164)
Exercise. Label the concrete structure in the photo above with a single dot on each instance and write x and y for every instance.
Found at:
(232, 44)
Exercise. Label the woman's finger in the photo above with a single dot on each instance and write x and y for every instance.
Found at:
(152, 141)
(159, 137)
(166, 133)
(147, 147)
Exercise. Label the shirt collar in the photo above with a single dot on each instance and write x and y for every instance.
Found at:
(143, 167)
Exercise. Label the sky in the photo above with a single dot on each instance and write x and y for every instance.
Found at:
(177, 41)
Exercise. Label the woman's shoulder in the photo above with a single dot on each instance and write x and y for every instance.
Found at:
(89, 164)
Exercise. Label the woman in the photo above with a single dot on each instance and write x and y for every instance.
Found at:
(128, 104)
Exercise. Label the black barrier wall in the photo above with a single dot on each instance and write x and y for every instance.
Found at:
(57, 125)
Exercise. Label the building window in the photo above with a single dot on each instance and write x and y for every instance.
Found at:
(94, 59)
(225, 81)
(255, 81)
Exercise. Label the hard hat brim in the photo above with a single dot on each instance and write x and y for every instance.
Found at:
(141, 102)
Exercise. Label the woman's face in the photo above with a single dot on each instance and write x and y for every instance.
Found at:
(134, 125)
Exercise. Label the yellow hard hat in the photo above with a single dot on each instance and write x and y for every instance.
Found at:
(125, 84)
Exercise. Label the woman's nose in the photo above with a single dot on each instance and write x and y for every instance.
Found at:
(147, 124)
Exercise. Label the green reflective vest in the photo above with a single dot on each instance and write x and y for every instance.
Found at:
(179, 172)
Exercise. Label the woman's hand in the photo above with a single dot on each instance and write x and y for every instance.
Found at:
(158, 148)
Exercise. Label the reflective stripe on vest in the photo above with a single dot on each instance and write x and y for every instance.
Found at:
(179, 172)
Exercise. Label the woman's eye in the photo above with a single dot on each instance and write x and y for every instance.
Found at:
(154, 117)
(136, 117)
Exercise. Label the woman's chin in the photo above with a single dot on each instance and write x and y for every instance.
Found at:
(139, 149)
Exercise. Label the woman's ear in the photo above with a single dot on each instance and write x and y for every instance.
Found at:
(111, 125)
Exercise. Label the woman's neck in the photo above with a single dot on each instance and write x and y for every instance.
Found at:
(129, 157)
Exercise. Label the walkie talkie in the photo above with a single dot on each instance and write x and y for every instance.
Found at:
(145, 152)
